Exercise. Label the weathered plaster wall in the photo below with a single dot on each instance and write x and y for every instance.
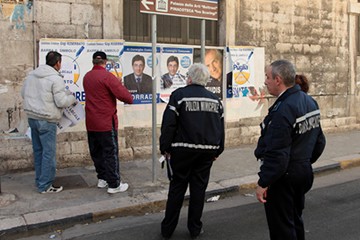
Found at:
(354, 59)
(16, 60)
(69, 19)
(315, 35)
(22, 24)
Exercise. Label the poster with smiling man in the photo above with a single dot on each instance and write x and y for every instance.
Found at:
(175, 62)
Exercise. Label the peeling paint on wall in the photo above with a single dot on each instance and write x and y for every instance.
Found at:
(17, 17)
(3, 89)
(15, 11)
(10, 112)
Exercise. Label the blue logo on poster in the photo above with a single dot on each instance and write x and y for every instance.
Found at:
(185, 62)
(149, 61)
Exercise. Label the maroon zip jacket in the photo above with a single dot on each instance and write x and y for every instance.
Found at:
(102, 89)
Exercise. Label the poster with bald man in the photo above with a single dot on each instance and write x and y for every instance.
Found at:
(214, 62)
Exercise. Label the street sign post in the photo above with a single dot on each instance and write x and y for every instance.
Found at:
(202, 9)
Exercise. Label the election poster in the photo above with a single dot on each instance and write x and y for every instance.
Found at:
(137, 63)
(245, 81)
(214, 62)
(77, 59)
(72, 115)
(242, 64)
(174, 65)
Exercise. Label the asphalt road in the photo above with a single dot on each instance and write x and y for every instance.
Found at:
(332, 212)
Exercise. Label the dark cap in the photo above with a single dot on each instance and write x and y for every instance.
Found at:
(99, 55)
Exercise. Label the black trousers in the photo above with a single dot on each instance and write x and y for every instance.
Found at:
(104, 151)
(286, 201)
(193, 169)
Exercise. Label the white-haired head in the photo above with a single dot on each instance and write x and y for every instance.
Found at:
(198, 74)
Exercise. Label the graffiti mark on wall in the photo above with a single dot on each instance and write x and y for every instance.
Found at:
(258, 96)
(15, 11)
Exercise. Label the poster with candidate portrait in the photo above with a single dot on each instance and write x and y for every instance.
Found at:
(77, 59)
(214, 62)
(137, 74)
(174, 65)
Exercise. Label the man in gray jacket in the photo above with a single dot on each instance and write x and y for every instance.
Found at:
(44, 100)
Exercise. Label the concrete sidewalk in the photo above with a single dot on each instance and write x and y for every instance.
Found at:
(24, 209)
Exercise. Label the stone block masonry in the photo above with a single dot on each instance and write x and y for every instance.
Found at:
(72, 150)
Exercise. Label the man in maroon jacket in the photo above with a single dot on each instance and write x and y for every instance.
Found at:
(101, 90)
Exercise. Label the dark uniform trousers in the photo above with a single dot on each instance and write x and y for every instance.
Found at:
(104, 151)
(285, 202)
(187, 168)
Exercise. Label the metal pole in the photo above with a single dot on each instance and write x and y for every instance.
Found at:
(154, 125)
(203, 38)
(224, 78)
(34, 24)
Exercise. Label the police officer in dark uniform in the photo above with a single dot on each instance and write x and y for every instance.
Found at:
(192, 137)
(291, 140)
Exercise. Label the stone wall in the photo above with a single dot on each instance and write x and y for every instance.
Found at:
(315, 35)
(22, 24)
(135, 143)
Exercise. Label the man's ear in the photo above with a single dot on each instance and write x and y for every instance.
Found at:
(58, 65)
(189, 81)
(278, 80)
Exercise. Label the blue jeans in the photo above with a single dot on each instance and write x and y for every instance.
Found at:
(43, 136)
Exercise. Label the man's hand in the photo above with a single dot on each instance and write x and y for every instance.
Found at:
(75, 103)
(261, 194)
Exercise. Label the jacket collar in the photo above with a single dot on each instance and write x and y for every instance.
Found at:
(97, 67)
(288, 92)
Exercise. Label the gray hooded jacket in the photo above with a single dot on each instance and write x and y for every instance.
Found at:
(44, 94)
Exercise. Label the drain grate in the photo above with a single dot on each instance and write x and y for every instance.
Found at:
(70, 182)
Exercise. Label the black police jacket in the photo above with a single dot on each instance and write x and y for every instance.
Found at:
(291, 132)
(193, 121)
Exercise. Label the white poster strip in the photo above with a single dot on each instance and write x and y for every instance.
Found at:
(72, 115)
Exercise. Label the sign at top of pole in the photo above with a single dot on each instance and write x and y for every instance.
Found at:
(202, 9)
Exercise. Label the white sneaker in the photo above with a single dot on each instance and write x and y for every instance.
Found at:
(102, 183)
(121, 188)
(53, 189)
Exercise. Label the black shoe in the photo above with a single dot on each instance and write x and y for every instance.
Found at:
(197, 236)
